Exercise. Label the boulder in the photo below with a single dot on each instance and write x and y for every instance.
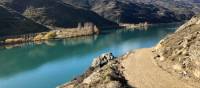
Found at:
(102, 60)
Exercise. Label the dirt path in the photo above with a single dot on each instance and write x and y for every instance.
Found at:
(141, 71)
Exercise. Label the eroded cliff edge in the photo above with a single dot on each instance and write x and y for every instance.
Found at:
(179, 53)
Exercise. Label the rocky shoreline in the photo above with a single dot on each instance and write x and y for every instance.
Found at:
(58, 33)
(87, 29)
(106, 71)
(135, 26)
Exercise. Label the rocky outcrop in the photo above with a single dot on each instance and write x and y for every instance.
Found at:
(179, 53)
(194, 21)
(102, 60)
(105, 72)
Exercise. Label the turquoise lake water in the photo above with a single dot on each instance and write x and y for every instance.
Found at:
(52, 63)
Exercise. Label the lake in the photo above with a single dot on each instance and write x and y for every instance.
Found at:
(51, 63)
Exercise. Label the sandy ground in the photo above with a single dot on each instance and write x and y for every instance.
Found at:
(141, 71)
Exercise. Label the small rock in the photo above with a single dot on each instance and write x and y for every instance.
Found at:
(113, 84)
(162, 58)
(185, 44)
(198, 22)
(196, 73)
(177, 67)
(197, 63)
(185, 52)
(184, 73)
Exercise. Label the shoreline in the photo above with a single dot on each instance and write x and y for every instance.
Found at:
(58, 33)
(156, 67)
(88, 29)
(131, 70)
(105, 71)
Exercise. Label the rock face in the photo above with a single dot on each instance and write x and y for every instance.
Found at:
(12, 23)
(135, 11)
(102, 60)
(105, 72)
(179, 53)
(194, 21)
(56, 13)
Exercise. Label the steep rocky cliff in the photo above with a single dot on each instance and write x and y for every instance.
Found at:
(179, 53)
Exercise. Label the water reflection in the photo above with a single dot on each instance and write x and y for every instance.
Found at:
(33, 55)
(59, 61)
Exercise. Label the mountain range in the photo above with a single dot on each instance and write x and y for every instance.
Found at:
(55, 13)
(43, 14)
(135, 11)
